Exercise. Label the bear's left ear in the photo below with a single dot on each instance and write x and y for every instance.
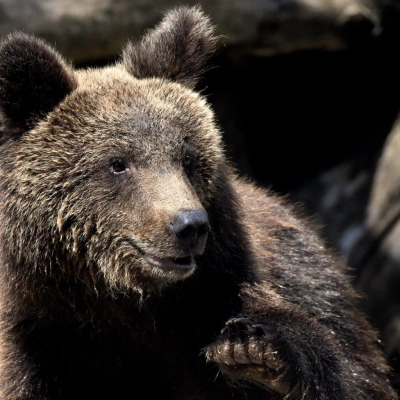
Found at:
(177, 49)
(33, 80)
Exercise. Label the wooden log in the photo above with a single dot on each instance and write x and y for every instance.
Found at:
(87, 30)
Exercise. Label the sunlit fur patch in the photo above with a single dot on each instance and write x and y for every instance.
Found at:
(118, 260)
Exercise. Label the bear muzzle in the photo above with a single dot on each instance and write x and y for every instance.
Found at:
(190, 228)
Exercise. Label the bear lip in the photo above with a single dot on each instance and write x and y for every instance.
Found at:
(172, 263)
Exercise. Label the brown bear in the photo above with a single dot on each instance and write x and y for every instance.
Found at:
(135, 264)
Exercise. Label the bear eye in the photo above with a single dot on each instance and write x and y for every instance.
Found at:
(118, 166)
(189, 159)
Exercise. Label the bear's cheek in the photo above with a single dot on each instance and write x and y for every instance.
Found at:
(129, 260)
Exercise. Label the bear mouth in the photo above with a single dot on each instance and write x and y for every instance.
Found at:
(182, 264)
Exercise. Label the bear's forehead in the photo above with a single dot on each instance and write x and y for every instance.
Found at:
(112, 98)
(114, 88)
(112, 110)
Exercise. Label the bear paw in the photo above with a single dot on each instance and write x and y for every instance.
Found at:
(245, 350)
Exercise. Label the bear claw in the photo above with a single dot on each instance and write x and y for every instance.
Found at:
(245, 351)
(245, 342)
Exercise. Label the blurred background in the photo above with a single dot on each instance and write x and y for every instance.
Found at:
(307, 95)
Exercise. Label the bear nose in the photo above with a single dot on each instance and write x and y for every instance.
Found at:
(191, 228)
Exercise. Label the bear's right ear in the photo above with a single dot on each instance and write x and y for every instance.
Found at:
(33, 80)
(177, 49)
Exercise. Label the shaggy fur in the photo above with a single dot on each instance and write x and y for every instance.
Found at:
(134, 262)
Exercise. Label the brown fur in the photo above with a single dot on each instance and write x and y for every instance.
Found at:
(99, 296)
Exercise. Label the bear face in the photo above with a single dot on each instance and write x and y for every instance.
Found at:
(121, 175)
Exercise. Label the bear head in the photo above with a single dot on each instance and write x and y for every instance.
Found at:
(107, 175)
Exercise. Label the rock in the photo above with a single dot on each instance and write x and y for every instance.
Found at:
(379, 266)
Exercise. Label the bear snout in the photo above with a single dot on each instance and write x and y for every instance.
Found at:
(191, 228)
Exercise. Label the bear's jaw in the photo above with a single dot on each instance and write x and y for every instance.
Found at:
(180, 265)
